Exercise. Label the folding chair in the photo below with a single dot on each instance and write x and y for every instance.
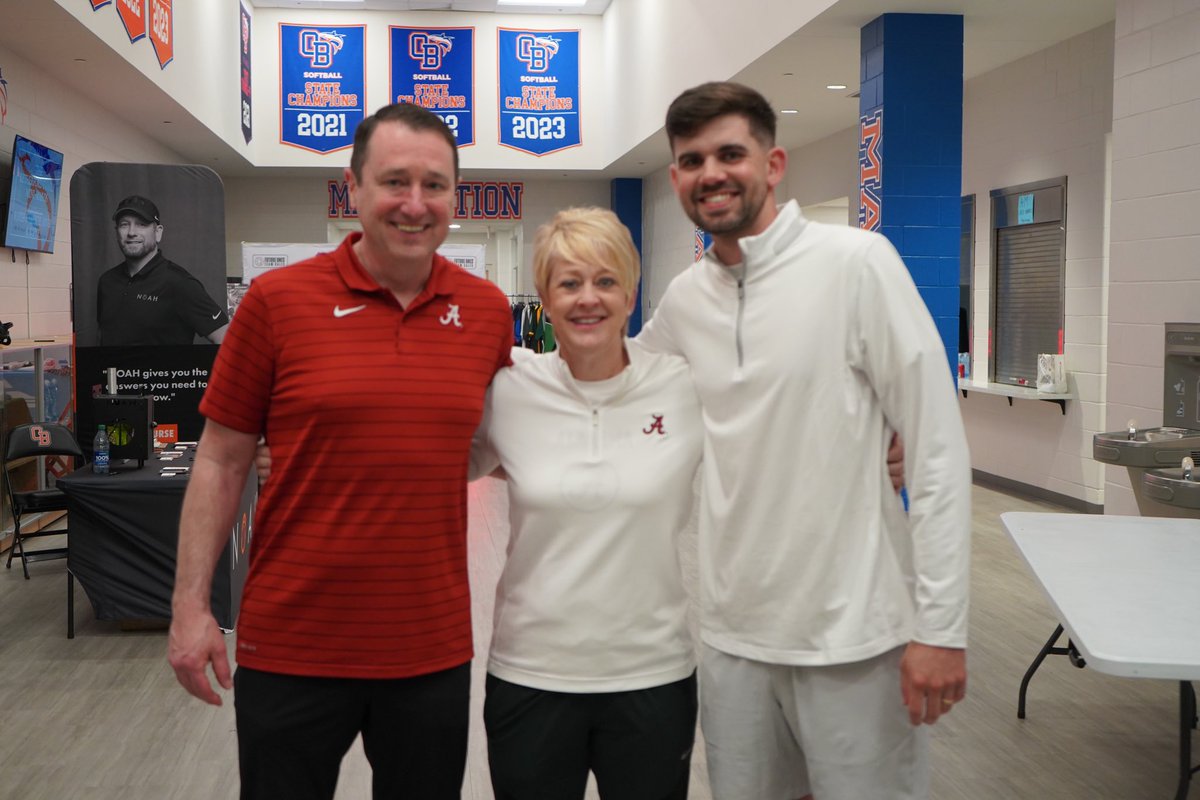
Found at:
(25, 442)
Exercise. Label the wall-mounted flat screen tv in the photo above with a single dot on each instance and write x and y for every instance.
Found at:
(33, 196)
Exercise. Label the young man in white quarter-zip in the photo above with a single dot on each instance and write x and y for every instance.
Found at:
(833, 626)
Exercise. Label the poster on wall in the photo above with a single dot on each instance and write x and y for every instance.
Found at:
(435, 68)
(244, 56)
(538, 80)
(162, 31)
(261, 257)
(468, 256)
(322, 85)
(148, 277)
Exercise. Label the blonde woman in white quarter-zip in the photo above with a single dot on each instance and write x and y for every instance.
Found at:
(591, 666)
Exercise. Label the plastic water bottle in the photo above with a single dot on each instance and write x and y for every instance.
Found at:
(100, 452)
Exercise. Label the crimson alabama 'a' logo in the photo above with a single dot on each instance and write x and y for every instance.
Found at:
(656, 426)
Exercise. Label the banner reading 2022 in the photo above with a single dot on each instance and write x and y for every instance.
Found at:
(321, 85)
(539, 89)
(435, 68)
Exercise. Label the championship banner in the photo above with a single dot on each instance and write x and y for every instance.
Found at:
(435, 68)
(322, 85)
(538, 77)
(244, 50)
(133, 17)
(162, 31)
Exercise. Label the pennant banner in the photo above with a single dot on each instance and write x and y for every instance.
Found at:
(322, 85)
(162, 27)
(538, 75)
(133, 17)
(244, 51)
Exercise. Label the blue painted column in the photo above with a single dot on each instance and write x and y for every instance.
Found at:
(625, 198)
(910, 152)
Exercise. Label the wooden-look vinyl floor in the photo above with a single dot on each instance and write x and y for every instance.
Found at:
(101, 717)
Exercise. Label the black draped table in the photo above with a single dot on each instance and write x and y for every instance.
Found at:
(124, 530)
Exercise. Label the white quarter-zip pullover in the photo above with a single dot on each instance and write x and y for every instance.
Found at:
(600, 481)
(803, 356)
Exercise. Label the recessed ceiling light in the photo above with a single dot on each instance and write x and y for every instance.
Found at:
(574, 3)
(788, 111)
(454, 226)
(836, 86)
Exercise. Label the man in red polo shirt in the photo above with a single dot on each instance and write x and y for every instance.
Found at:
(366, 369)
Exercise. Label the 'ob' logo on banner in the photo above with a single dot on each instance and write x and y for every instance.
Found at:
(535, 52)
(427, 49)
(319, 47)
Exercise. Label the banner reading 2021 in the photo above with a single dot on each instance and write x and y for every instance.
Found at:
(322, 86)
(539, 89)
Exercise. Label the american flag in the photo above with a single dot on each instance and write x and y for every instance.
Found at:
(699, 244)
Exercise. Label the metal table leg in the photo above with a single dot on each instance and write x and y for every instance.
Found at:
(1187, 721)
(70, 605)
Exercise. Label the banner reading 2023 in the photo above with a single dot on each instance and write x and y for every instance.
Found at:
(539, 89)
(321, 85)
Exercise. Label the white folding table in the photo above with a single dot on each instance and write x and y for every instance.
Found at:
(1127, 593)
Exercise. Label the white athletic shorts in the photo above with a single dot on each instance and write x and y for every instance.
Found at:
(840, 732)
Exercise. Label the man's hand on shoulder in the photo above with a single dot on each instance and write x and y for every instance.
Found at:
(895, 462)
(932, 680)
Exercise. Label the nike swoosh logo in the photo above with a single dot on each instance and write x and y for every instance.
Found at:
(340, 312)
(216, 315)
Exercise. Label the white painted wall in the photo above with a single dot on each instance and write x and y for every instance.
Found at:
(36, 296)
(824, 170)
(1155, 201)
(667, 239)
(1044, 116)
(658, 48)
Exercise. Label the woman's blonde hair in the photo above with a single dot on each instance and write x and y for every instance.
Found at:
(588, 235)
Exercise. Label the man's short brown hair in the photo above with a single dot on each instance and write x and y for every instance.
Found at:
(415, 117)
(701, 104)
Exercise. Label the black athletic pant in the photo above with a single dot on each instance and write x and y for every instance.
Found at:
(293, 732)
(542, 744)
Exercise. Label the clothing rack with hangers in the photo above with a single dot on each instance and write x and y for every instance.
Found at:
(531, 330)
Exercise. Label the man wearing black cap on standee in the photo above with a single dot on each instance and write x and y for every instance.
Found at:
(148, 300)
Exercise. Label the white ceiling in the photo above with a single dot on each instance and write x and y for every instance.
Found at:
(597, 7)
(792, 75)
